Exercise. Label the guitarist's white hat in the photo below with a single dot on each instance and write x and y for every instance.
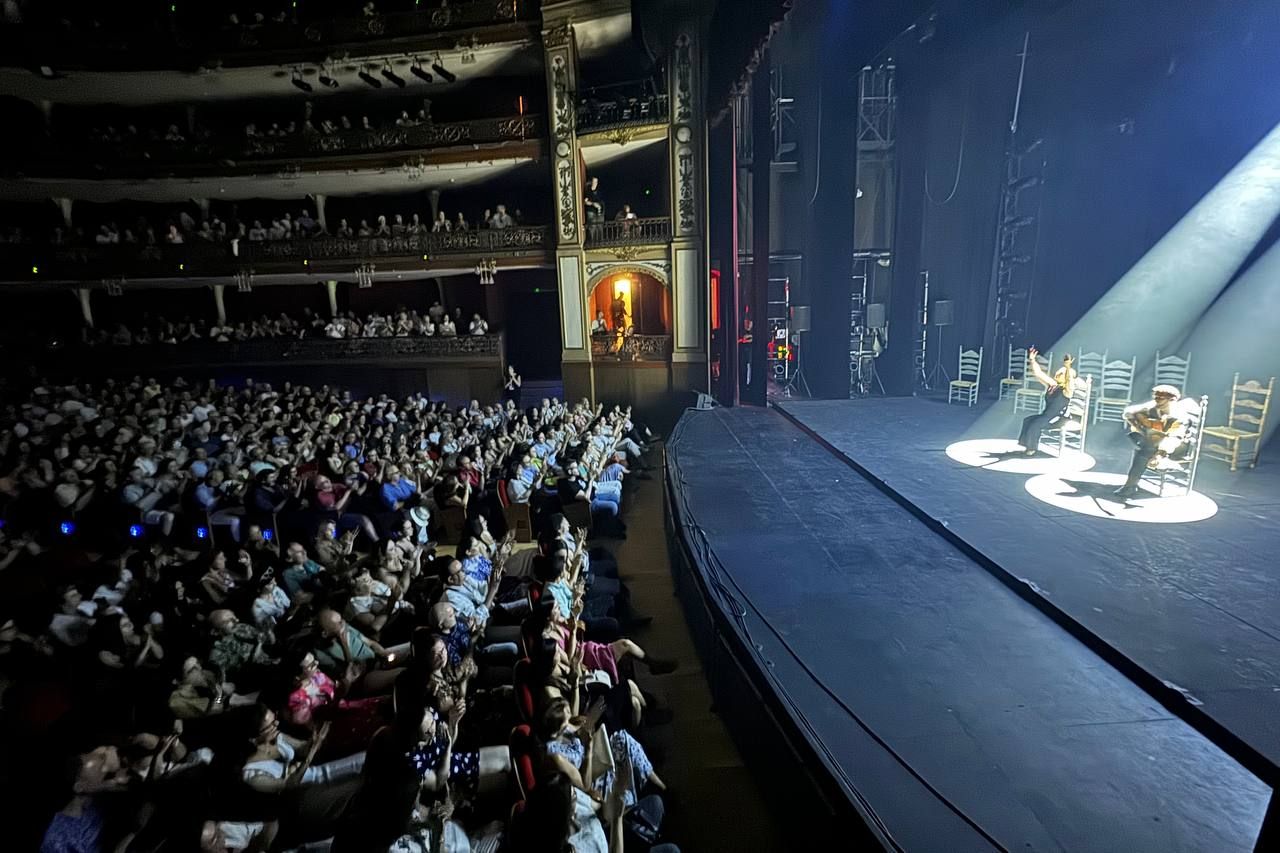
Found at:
(1166, 391)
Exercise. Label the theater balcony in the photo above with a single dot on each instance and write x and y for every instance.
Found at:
(453, 368)
(316, 257)
(234, 154)
(161, 34)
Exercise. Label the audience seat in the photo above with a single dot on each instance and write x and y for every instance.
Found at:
(453, 524)
(526, 698)
(519, 518)
(524, 759)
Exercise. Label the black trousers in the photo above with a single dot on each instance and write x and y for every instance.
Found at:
(1055, 407)
(1144, 451)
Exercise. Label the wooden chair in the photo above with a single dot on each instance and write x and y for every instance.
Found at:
(1016, 371)
(1070, 432)
(1180, 473)
(1172, 370)
(1091, 364)
(1030, 397)
(1246, 419)
(965, 386)
(1116, 392)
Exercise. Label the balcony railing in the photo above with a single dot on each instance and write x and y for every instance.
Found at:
(461, 242)
(272, 350)
(94, 263)
(288, 35)
(196, 33)
(612, 346)
(595, 114)
(153, 155)
(639, 232)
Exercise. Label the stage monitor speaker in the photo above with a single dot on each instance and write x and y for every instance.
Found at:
(876, 316)
(944, 313)
(800, 318)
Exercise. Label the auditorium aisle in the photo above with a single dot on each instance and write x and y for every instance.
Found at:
(717, 805)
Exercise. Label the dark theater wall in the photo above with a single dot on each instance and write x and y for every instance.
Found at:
(1142, 106)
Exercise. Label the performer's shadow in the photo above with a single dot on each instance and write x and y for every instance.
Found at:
(995, 458)
(1099, 493)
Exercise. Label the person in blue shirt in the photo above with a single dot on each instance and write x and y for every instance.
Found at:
(397, 492)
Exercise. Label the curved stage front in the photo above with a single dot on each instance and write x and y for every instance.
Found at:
(900, 642)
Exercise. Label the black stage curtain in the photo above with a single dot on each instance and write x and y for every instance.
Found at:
(1142, 107)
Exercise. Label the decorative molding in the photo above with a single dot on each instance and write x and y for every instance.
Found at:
(560, 36)
(683, 112)
(598, 270)
(622, 135)
(686, 178)
(568, 201)
(562, 102)
(684, 150)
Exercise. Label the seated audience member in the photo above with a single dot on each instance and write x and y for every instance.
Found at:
(292, 610)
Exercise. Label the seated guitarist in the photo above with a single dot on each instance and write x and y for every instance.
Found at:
(1057, 396)
(1157, 430)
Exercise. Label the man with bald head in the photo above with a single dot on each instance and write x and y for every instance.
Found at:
(345, 653)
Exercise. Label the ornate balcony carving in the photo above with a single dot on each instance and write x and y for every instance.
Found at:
(294, 350)
(620, 114)
(91, 263)
(614, 347)
(151, 156)
(122, 41)
(628, 235)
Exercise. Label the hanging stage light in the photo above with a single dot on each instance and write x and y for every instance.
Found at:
(421, 73)
(373, 82)
(392, 76)
(445, 74)
(326, 80)
(299, 82)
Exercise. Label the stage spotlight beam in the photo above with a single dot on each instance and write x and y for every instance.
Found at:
(1161, 298)
(1240, 333)
(1174, 283)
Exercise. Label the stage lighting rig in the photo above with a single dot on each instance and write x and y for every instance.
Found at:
(297, 80)
(326, 76)
(373, 82)
(444, 73)
(421, 73)
(392, 76)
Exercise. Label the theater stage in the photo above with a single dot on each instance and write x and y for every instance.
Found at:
(967, 710)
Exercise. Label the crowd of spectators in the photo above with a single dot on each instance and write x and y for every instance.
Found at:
(400, 323)
(183, 228)
(228, 625)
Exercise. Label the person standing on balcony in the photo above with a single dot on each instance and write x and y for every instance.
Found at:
(478, 325)
(461, 224)
(501, 219)
(593, 207)
(627, 217)
(441, 225)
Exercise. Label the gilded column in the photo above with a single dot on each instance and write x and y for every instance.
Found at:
(562, 86)
(690, 280)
